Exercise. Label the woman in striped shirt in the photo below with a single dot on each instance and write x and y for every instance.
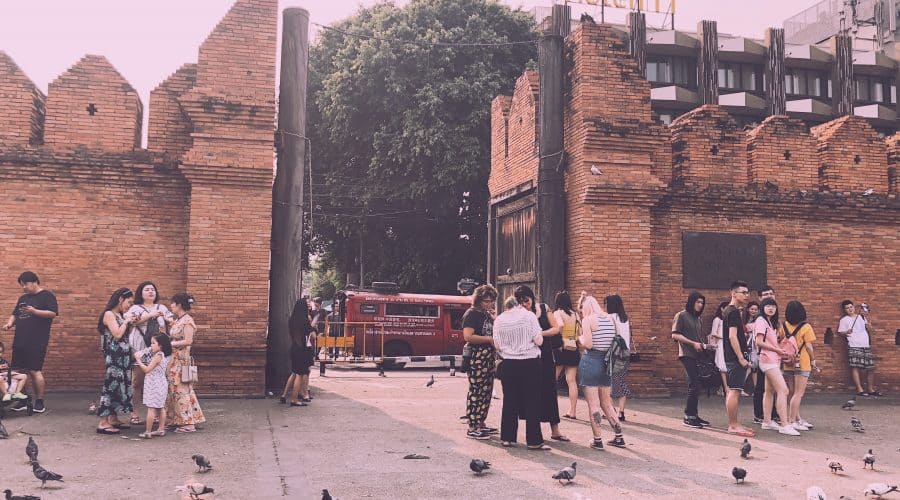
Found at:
(596, 338)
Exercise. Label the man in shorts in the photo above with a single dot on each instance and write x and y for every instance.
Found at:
(855, 327)
(736, 354)
(32, 316)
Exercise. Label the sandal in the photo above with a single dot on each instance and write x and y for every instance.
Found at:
(107, 430)
(145, 435)
(541, 447)
(507, 444)
(863, 393)
(570, 417)
(158, 433)
(560, 438)
(743, 433)
(120, 425)
(136, 420)
(183, 430)
(875, 393)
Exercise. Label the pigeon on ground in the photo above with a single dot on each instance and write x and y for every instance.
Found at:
(202, 462)
(430, 382)
(195, 490)
(869, 459)
(856, 425)
(3, 433)
(834, 465)
(10, 496)
(849, 404)
(31, 449)
(478, 466)
(326, 495)
(745, 449)
(566, 474)
(738, 474)
(878, 490)
(44, 475)
(815, 493)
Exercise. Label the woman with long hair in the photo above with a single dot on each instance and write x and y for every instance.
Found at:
(116, 396)
(620, 390)
(596, 338)
(567, 358)
(149, 318)
(715, 339)
(765, 329)
(301, 354)
(797, 373)
(182, 407)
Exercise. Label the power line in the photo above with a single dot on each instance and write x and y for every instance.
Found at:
(423, 43)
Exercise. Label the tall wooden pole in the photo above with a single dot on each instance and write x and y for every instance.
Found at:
(637, 38)
(842, 75)
(550, 196)
(776, 99)
(287, 194)
(708, 63)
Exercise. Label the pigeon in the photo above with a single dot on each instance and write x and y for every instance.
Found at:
(869, 459)
(326, 495)
(849, 404)
(856, 425)
(815, 493)
(10, 496)
(44, 475)
(194, 490)
(834, 465)
(430, 382)
(868, 192)
(202, 462)
(587, 19)
(738, 474)
(595, 170)
(878, 490)
(31, 449)
(566, 474)
(745, 449)
(478, 466)
(3, 433)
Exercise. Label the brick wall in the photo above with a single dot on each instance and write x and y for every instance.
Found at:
(514, 135)
(21, 106)
(826, 241)
(89, 211)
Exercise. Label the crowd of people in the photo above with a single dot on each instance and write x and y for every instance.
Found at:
(146, 348)
(749, 348)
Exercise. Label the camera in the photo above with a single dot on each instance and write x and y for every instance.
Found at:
(864, 307)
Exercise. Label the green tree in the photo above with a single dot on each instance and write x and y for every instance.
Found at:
(400, 132)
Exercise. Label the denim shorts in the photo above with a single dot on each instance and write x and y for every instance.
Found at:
(791, 373)
(592, 369)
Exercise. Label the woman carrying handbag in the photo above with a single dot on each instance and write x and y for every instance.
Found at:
(182, 407)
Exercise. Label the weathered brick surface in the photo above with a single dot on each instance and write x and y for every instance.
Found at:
(21, 106)
(514, 142)
(91, 105)
(852, 158)
(90, 212)
(825, 240)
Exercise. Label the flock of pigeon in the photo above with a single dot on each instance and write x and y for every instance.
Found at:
(194, 490)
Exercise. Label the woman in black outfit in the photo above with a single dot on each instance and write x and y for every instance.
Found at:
(552, 341)
(301, 354)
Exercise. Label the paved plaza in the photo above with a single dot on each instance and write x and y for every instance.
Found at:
(354, 435)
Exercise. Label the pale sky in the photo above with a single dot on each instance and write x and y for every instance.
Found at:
(147, 40)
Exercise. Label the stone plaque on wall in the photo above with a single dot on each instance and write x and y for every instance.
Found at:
(714, 260)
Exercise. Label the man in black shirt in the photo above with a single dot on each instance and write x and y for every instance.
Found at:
(736, 354)
(32, 316)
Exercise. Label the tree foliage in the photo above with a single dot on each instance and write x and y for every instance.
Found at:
(400, 134)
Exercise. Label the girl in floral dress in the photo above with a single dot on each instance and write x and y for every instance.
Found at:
(116, 395)
(156, 383)
(182, 406)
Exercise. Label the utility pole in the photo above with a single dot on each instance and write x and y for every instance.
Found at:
(287, 195)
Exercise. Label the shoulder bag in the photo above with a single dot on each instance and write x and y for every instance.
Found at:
(189, 372)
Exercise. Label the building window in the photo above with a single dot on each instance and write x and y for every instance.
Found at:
(673, 70)
(737, 76)
(808, 83)
(875, 89)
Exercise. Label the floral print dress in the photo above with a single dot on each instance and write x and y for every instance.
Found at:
(182, 406)
(116, 395)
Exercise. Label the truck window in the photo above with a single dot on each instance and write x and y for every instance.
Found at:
(411, 310)
(456, 318)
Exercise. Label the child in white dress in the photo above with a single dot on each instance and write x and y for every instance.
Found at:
(154, 361)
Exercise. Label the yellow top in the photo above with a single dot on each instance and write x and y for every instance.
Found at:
(568, 331)
(805, 336)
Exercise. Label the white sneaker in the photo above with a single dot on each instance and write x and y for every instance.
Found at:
(799, 426)
(806, 424)
(771, 426)
(788, 430)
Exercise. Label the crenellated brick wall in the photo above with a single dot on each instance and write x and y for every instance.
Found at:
(88, 210)
(826, 240)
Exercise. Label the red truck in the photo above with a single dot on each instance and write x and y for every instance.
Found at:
(413, 324)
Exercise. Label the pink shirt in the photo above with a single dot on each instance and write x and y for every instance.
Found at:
(761, 326)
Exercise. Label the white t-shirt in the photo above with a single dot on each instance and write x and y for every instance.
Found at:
(859, 337)
(623, 329)
(516, 332)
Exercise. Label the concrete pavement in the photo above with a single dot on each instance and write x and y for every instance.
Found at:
(354, 435)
